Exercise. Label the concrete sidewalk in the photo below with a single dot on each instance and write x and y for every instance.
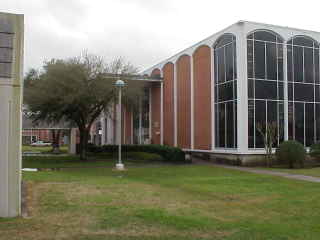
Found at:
(262, 171)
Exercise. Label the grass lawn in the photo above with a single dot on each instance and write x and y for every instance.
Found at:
(186, 202)
(44, 149)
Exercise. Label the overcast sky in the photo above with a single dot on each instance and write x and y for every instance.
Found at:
(143, 31)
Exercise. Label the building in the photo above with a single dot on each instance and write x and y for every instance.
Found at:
(215, 93)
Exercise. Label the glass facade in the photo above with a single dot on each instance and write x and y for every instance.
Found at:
(225, 87)
(265, 85)
(303, 90)
(141, 120)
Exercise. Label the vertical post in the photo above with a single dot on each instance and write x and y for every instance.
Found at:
(11, 85)
(161, 114)
(192, 101)
(119, 126)
(175, 105)
(285, 75)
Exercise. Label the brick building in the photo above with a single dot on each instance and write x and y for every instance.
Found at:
(215, 93)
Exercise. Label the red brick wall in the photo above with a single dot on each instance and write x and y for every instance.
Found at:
(156, 108)
(128, 126)
(168, 107)
(184, 101)
(202, 98)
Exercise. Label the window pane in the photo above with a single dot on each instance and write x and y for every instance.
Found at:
(308, 65)
(259, 60)
(230, 130)
(229, 62)
(250, 58)
(225, 39)
(250, 88)
(299, 122)
(280, 90)
(235, 60)
(280, 61)
(302, 41)
(309, 124)
(289, 58)
(298, 64)
(221, 126)
(303, 92)
(281, 121)
(251, 123)
(221, 65)
(225, 91)
(316, 65)
(265, 36)
(266, 89)
(290, 91)
(271, 61)
(290, 121)
(318, 121)
(272, 113)
(260, 120)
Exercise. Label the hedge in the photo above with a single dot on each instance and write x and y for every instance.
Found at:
(291, 153)
(168, 153)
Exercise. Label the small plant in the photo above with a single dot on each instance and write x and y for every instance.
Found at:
(291, 152)
(315, 151)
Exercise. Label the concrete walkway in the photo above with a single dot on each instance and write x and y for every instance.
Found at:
(267, 172)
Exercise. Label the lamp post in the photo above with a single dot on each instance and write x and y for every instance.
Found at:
(120, 84)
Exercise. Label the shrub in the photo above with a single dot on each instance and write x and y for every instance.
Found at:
(291, 152)
(315, 151)
(171, 154)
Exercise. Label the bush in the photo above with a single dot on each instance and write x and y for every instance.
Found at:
(171, 154)
(315, 151)
(291, 152)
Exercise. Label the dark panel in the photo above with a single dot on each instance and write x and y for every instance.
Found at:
(290, 121)
(318, 121)
(298, 64)
(229, 62)
(235, 60)
(280, 61)
(316, 65)
(299, 122)
(225, 91)
(250, 58)
(260, 119)
(251, 123)
(265, 36)
(259, 60)
(272, 110)
(303, 92)
(289, 59)
(302, 41)
(221, 65)
(309, 124)
(266, 89)
(230, 119)
(290, 91)
(280, 90)
(281, 121)
(250, 88)
(225, 39)
(271, 54)
(308, 65)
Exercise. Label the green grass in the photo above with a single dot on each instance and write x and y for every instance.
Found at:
(44, 149)
(166, 202)
(96, 160)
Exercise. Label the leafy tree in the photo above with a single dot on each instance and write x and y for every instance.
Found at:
(78, 90)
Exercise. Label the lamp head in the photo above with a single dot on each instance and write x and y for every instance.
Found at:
(120, 83)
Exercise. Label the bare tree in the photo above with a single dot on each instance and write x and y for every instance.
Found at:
(269, 134)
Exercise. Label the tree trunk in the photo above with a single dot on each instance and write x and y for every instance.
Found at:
(84, 134)
(56, 141)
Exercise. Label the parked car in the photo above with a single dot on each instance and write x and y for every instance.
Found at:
(40, 144)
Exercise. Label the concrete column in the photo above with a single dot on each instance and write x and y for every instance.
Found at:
(242, 91)
(11, 83)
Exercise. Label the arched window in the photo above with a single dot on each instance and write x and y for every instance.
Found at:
(303, 90)
(265, 85)
(225, 85)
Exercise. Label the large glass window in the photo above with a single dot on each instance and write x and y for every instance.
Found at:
(225, 85)
(265, 85)
(303, 90)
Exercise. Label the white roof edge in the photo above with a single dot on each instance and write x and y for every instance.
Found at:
(186, 49)
(169, 59)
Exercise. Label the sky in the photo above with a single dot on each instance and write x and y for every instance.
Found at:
(143, 32)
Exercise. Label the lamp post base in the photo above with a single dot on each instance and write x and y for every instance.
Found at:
(120, 167)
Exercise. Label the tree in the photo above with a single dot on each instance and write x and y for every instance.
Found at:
(78, 90)
(269, 134)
